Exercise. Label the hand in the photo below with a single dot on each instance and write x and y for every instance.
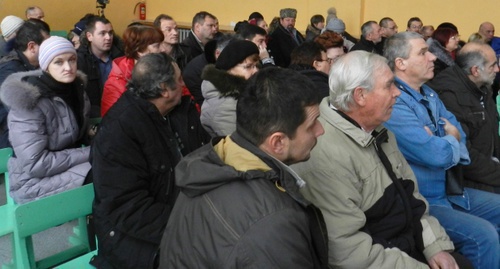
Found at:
(263, 53)
(429, 132)
(450, 129)
(443, 260)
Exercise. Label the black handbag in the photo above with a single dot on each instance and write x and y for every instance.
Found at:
(455, 180)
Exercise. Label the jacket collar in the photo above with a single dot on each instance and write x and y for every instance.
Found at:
(350, 129)
(288, 179)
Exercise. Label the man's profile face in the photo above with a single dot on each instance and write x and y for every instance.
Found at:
(208, 29)
(375, 35)
(391, 29)
(102, 37)
(299, 148)
(488, 73)
(260, 41)
(381, 99)
(176, 94)
(288, 23)
(420, 62)
(487, 30)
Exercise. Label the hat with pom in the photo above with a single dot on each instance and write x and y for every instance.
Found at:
(336, 25)
(10, 24)
(234, 53)
(51, 48)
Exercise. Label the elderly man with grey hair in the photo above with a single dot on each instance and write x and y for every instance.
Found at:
(133, 158)
(367, 192)
(370, 37)
(432, 141)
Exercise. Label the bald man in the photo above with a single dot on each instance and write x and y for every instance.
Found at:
(487, 31)
(35, 12)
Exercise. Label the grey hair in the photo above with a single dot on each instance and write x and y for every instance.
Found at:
(151, 74)
(367, 28)
(353, 70)
(398, 46)
(475, 56)
(384, 22)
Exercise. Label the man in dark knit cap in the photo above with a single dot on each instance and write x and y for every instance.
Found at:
(285, 38)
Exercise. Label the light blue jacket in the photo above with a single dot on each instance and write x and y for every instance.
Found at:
(429, 156)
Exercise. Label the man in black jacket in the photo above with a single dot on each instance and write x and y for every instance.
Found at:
(370, 37)
(204, 28)
(141, 139)
(285, 38)
(24, 57)
(240, 205)
(95, 57)
(465, 90)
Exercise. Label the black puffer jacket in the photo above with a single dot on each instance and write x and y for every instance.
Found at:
(463, 98)
(235, 216)
(133, 160)
(320, 79)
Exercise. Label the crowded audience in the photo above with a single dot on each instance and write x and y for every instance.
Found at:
(269, 146)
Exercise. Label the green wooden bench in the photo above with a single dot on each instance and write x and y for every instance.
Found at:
(48, 212)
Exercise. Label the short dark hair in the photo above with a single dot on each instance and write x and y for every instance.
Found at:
(315, 19)
(91, 21)
(157, 22)
(384, 21)
(255, 15)
(367, 28)
(31, 30)
(150, 73)
(412, 19)
(200, 18)
(306, 53)
(248, 31)
(274, 100)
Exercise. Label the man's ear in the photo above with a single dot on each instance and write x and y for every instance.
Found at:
(31, 46)
(89, 36)
(276, 144)
(359, 96)
(474, 70)
(400, 64)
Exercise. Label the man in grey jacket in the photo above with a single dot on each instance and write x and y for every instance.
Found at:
(375, 215)
(239, 205)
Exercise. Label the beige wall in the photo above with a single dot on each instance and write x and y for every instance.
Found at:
(467, 15)
(63, 14)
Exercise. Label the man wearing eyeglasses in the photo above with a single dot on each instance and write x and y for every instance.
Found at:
(414, 25)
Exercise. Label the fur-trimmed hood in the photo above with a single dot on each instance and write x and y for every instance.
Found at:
(440, 52)
(17, 92)
(226, 84)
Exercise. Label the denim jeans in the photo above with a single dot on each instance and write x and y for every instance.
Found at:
(474, 232)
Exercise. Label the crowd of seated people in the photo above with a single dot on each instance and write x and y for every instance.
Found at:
(374, 152)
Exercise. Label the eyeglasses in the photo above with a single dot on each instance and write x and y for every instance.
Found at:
(326, 60)
(455, 37)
